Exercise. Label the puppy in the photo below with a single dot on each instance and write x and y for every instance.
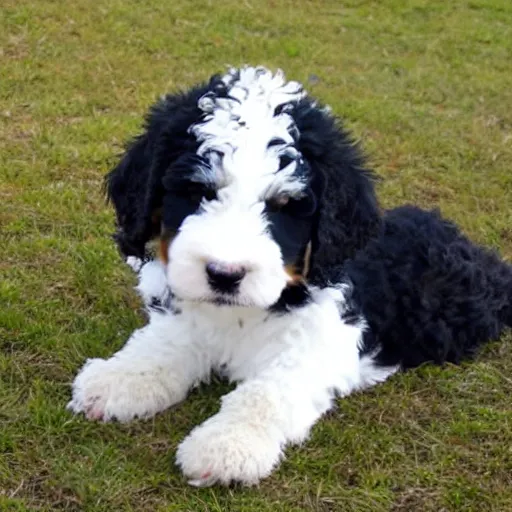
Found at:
(276, 268)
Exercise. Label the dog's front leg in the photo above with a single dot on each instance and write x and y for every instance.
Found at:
(244, 441)
(153, 371)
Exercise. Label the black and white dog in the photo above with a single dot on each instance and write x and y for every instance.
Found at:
(276, 268)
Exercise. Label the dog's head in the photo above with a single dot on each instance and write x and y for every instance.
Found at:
(250, 187)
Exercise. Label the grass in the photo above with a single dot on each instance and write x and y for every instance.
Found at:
(426, 85)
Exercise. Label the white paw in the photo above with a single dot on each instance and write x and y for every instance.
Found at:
(106, 390)
(221, 451)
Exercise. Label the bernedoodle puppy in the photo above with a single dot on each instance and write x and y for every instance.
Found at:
(273, 265)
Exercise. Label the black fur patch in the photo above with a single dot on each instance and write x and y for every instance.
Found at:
(348, 214)
(164, 304)
(291, 226)
(293, 296)
(427, 292)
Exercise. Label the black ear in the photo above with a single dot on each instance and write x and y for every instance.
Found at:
(135, 186)
(127, 188)
(348, 213)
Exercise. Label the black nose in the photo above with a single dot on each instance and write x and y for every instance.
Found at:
(224, 277)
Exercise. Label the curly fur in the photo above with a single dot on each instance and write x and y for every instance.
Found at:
(278, 271)
(427, 292)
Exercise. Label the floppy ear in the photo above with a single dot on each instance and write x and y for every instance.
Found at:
(348, 211)
(127, 187)
(135, 186)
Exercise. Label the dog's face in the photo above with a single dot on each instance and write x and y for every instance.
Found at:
(241, 207)
(249, 185)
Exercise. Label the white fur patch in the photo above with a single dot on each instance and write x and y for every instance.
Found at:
(236, 132)
(134, 263)
(152, 281)
(371, 373)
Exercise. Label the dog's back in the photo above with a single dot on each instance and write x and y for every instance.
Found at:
(427, 292)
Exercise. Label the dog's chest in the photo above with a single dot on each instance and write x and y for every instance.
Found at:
(243, 343)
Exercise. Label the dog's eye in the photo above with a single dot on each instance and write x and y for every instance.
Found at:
(206, 193)
(210, 194)
(195, 192)
(278, 202)
(303, 206)
(285, 161)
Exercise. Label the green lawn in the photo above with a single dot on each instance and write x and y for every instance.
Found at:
(428, 90)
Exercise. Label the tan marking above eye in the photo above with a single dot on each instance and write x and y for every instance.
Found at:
(282, 200)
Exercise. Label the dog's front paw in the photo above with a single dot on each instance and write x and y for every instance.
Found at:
(108, 389)
(225, 451)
